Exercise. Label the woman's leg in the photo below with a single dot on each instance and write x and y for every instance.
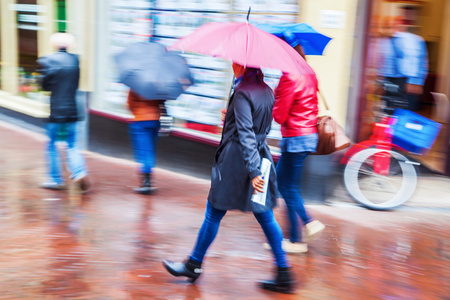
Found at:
(151, 128)
(274, 236)
(138, 137)
(207, 232)
(289, 176)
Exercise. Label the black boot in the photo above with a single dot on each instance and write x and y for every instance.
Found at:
(146, 188)
(190, 269)
(283, 282)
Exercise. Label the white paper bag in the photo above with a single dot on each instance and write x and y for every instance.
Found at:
(260, 198)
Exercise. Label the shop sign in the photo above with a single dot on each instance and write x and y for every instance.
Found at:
(27, 7)
(27, 17)
(332, 19)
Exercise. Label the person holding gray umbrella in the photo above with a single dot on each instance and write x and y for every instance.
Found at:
(143, 131)
(154, 75)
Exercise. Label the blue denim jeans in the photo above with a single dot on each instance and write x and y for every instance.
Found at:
(144, 136)
(75, 160)
(210, 227)
(289, 176)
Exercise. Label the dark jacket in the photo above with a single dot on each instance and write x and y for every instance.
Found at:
(61, 75)
(243, 145)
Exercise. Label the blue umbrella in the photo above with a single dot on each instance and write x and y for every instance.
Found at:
(152, 72)
(312, 42)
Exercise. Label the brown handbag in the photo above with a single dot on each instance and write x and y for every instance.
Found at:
(331, 136)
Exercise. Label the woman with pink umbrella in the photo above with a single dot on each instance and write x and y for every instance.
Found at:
(239, 165)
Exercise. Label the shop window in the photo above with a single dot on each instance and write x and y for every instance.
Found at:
(402, 67)
(27, 30)
(166, 21)
(1, 61)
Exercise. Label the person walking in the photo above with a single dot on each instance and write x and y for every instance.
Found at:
(403, 63)
(296, 109)
(60, 75)
(143, 129)
(236, 175)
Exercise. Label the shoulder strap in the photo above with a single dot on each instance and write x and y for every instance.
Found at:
(321, 97)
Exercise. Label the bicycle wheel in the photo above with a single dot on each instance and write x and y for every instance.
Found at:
(377, 191)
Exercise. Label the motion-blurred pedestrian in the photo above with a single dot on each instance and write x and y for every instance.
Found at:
(296, 109)
(144, 130)
(236, 175)
(403, 63)
(61, 76)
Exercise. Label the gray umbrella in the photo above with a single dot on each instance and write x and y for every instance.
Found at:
(152, 72)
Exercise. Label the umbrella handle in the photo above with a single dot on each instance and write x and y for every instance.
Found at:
(248, 14)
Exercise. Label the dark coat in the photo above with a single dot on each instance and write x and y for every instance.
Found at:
(243, 145)
(61, 75)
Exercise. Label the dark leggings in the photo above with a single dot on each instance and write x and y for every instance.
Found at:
(211, 224)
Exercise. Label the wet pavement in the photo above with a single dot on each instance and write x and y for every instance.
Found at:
(109, 243)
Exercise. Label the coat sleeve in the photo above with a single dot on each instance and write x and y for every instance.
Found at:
(284, 97)
(48, 79)
(247, 138)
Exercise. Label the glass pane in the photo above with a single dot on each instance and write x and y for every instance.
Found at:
(27, 27)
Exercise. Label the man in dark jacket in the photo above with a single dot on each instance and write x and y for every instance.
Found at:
(61, 74)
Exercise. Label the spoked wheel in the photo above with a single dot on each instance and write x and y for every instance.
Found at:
(380, 179)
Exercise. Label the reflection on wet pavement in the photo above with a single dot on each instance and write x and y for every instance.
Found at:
(109, 244)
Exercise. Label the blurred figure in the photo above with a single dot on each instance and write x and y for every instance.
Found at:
(404, 62)
(61, 76)
(144, 137)
(236, 175)
(296, 109)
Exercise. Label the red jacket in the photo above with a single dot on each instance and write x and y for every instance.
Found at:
(296, 104)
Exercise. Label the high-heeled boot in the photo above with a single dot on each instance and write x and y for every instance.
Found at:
(190, 269)
(283, 282)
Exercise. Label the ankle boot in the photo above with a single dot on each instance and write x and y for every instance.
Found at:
(283, 282)
(145, 187)
(190, 269)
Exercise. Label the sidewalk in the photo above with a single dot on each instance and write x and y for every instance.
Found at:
(109, 243)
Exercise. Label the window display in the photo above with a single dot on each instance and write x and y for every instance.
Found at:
(164, 21)
(28, 24)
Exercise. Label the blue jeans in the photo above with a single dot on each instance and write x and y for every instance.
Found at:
(289, 173)
(144, 136)
(211, 223)
(75, 160)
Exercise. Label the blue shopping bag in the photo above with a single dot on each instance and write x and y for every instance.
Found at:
(413, 132)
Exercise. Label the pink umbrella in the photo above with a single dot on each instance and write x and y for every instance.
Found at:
(246, 45)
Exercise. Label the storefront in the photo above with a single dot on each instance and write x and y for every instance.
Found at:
(429, 20)
(26, 27)
(103, 28)
(197, 111)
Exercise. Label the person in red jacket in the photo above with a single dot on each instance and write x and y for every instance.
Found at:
(296, 109)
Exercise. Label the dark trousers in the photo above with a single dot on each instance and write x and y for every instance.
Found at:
(289, 175)
(401, 99)
(211, 224)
